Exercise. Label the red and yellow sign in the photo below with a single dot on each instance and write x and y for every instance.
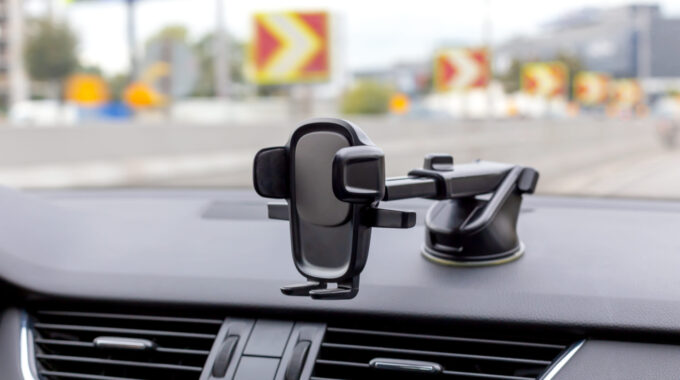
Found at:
(627, 93)
(549, 79)
(86, 90)
(461, 69)
(591, 88)
(290, 47)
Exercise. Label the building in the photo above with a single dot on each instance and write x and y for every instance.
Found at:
(628, 41)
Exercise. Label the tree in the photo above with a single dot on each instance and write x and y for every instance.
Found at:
(50, 51)
(117, 84)
(177, 33)
(205, 51)
(574, 65)
(510, 79)
(367, 97)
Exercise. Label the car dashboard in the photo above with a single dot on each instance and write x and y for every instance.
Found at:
(184, 284)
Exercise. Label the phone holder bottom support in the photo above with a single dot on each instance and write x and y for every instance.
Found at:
(319, 289)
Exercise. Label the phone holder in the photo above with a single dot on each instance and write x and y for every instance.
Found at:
(333, 178)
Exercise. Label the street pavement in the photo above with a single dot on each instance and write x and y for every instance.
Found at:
(585, 157)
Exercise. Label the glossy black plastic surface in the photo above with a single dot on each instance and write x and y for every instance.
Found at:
(334, 175)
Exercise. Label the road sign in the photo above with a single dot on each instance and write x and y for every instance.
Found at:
(591, 88)
(86, 90)
(140, 95)
(547, 79)
(627, 92)
(461, 69)
(399, 104)
(290, 47)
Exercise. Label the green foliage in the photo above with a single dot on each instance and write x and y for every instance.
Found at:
(205, 53)
(177, 33)
(50, 51)
(574, 65)
(117, 85)
(510, 79)
(90, 69)
(367, 97)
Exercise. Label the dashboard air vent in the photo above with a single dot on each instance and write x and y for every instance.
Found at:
(353, 354)
(84, 345)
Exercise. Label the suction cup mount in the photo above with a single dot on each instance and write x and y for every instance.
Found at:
(333, 178)
(475, 221)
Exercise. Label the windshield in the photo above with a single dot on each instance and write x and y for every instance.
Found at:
(182, 93)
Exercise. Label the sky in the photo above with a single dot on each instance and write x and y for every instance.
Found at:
(373, 34)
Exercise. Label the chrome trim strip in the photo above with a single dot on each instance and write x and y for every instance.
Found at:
(26, 354)
(405, 365)
(562, 361)
(119, 343)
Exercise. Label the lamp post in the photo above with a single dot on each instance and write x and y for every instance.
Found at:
(221, 53)
(132, 39)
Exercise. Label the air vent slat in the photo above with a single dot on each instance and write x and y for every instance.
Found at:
(181, 351)
(341, 363)
(435, 353)
(65, 345)
(448, 338)
(347, 353)
(63, 342)
(130, 317)
(486, 376)
(110, 330)
(70, 375)
(118, 362)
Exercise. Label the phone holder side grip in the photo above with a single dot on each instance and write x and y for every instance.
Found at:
(328, 167)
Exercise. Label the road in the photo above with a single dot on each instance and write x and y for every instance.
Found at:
(577, 156)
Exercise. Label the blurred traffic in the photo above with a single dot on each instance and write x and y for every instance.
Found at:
(591, 97)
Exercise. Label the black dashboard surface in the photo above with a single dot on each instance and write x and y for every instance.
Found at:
(608, 360)
(589, 262)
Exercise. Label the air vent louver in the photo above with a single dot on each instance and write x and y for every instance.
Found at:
(346, 354)
(65, 345)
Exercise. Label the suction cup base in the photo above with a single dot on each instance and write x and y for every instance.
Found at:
(458, 261)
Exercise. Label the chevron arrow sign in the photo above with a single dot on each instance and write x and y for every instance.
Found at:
(290, 47)
(461, 69)
(591, 88)
(546, 79)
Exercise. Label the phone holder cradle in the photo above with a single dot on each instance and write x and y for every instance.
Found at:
(333, 178)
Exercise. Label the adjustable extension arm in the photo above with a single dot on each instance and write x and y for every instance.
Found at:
(449, 181)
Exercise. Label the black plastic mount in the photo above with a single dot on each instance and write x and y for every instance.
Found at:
(475, 221)
(332, 178)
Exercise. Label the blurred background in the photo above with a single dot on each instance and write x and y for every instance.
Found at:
(182, 93)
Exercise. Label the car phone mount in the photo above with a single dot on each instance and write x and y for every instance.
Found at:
(333, 178)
